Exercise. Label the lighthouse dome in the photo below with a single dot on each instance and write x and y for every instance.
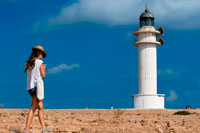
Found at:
(146, 18)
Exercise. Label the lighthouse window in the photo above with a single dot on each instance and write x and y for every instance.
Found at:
(149, 21)
(146, 22)
(142, 23)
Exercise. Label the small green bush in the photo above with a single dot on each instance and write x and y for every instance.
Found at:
(182, 113)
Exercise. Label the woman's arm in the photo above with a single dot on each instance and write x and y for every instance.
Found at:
(42, 70)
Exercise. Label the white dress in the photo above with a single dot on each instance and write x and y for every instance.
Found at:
(34, 75)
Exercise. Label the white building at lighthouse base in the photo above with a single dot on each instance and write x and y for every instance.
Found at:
(149, 101)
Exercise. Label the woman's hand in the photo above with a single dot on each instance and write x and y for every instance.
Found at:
(42, 70)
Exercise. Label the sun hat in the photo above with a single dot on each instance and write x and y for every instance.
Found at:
(41, 49)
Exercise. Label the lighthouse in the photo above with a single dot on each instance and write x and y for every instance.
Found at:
(148, 38)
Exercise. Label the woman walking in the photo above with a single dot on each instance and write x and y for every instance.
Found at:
(35, 71)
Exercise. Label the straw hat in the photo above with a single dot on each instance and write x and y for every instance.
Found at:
(41, 49)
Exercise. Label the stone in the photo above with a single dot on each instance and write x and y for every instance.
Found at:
(160, 130)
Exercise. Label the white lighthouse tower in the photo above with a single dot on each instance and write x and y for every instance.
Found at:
(147, 63)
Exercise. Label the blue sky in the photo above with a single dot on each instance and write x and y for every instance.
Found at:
(91, 59)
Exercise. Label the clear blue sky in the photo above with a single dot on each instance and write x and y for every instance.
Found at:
(91, 59)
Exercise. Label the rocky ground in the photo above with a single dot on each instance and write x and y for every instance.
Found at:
(103, 121)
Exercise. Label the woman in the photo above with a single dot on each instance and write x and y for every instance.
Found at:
(35, 70)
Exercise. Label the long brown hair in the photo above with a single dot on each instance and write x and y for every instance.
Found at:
(30, 63)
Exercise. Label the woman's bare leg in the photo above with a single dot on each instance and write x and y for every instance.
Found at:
(40, 114)
(31, 112)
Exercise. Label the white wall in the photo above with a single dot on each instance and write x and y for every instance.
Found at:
(149, 102)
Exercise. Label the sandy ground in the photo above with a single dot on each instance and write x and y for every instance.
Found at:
(103, 121)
